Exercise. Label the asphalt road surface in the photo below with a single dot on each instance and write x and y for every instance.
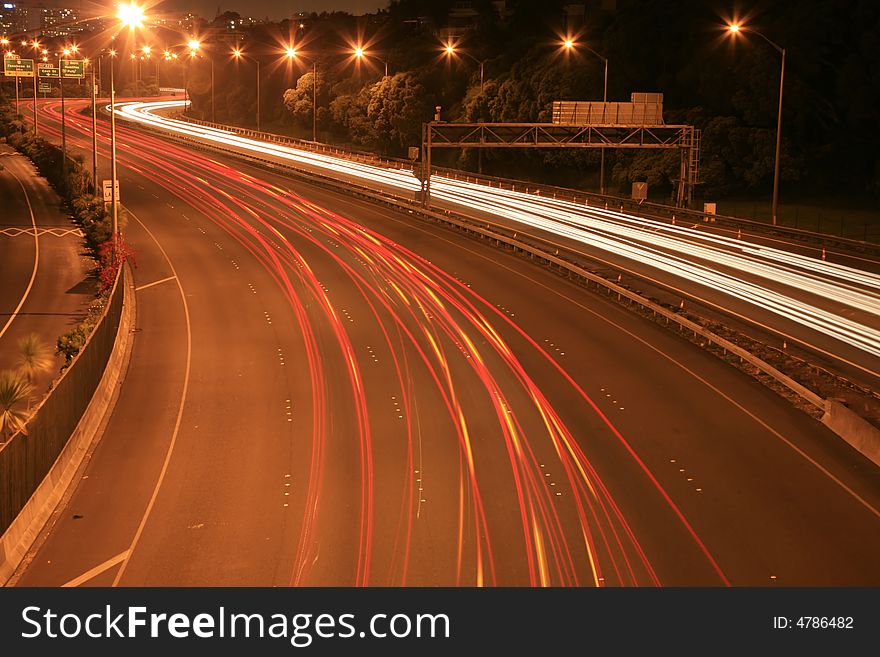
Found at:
(328, 392)
(45, 284)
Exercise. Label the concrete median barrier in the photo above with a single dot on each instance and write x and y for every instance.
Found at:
(51, 454)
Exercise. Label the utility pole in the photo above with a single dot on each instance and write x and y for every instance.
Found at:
(63, 123)
(94, 133)
(113, 182)
(775, 204)
(314, 100)
(36, 124)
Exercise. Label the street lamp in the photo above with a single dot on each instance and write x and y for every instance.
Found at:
(569, 44)
(148, 51)
(94, 90)
(134, 74)
(65, 53)
(4, 43)
(733, 30)
(37, 47)
(193, 45)
(451, 50)
(238, 54)
(132, 17)
(360, 53)
(293, 54)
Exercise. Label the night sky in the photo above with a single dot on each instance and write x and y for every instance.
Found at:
(274, 9)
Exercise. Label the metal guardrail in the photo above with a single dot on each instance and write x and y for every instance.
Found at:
(547, 253)
(313, 146)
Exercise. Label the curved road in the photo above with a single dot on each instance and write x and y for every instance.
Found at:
(349, 396)
(44, 273)
(832, 309)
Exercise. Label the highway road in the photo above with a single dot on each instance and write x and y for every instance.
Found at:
(328, 392)
(830, 308)
(46, 286)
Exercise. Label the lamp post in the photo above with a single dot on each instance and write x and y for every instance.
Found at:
(194, 46)
(65, 53)
(569, 44)
(452, 50)
(131, 16)
(36, 47)
(238, 54)
(359, 52)
(94, 128)
(168, 56)
(148, 50)
(113, 183)
(4, 43)
(733, 30)
(293, 54)
(134, 74)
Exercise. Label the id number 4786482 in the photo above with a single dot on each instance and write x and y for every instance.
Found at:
(813, 623)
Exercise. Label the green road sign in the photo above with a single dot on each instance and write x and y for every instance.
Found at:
(22, 68)
(48, 70)
(45, 88)
(73, 68)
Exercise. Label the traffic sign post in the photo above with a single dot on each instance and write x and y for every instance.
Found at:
(108, 197)
(45, 70)
(639, 191)
(45, 88)
(19, 68)
(73, 68)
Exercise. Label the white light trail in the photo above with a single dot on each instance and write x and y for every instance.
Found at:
(805, 290)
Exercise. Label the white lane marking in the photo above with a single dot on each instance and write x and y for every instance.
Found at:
(97, 570)
(36, 258)
(552, 290)
(146, 285)
(177, 422)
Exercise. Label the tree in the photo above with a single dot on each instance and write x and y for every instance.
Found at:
(241, 104)
(349, 113)
(34, 356)
(397, 107)
(14, 389)
(226, 19)
(299, 100)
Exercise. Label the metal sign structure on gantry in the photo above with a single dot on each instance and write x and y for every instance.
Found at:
(578, 124)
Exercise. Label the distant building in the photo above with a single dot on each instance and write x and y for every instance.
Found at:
(51, 18)
(172, 21)
(189, 22)
(15, 18)
(59, 21)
